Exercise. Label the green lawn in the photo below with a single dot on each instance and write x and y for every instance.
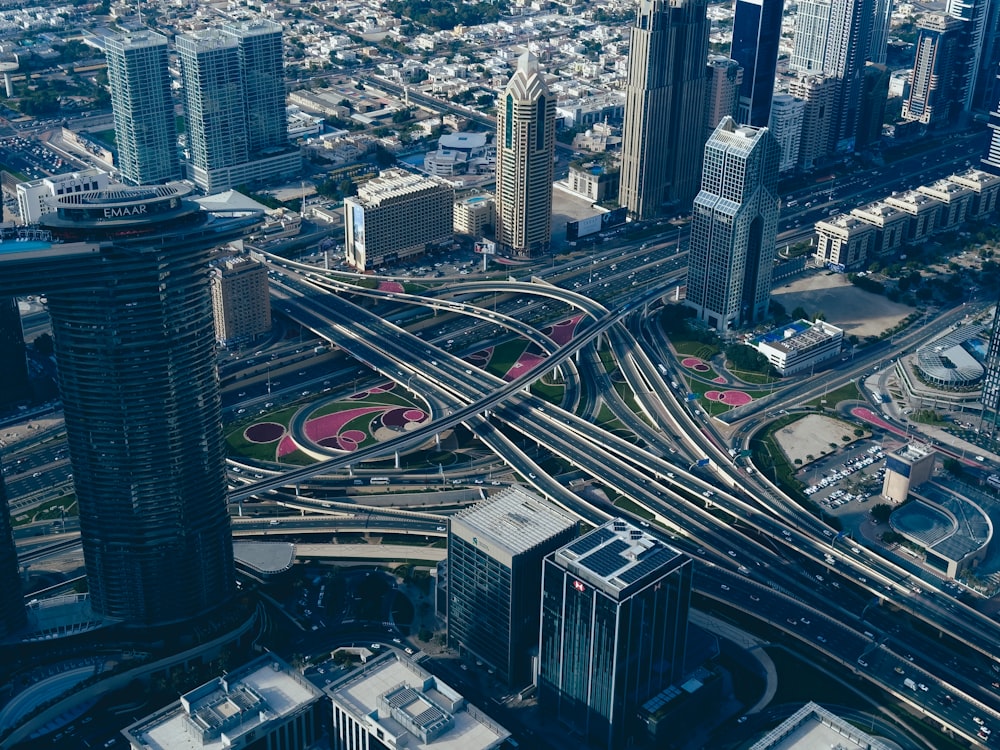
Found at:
(847, 392)
(695, 349)
(505, 355)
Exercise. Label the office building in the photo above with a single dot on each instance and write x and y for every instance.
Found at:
(397, 215)
(665, 93)
(722, 94)
(615, 606)
(985, 188)
(263, 704)
(474, 215)
(819, 93)
(787, 114)
(526, 141)
(495, 551)
(234, 104)
(800, 346)
(874, 97)
(935, 94)
(462, 153)
(906, 467)
(979, 77)
(846, 51)
(735, 222)
(812, 27)
(923, 210)
(891, 226)
(12, 616)
(241, 300)
(990, 162)
(956, 203)
(845, 243)
(990, 395)
(881, 23)
(14, 384)
(124, 271)
(32, 196)
(145, 129)
(756, 33)
(391, 702)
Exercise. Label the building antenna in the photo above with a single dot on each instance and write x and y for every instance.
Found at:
(138, 7)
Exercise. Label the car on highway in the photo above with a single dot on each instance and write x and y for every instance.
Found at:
(724, 587)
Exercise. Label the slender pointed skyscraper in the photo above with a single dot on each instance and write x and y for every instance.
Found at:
(665, 97)
(526, 142)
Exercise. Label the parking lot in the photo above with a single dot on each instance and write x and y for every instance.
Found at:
(854, 477)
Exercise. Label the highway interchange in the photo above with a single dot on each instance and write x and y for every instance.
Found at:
(758, 550)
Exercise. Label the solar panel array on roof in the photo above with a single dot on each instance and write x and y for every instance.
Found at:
(587, 543)
(650, 562)
(607, 559)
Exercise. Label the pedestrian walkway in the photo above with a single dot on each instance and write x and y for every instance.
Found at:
(387, 552)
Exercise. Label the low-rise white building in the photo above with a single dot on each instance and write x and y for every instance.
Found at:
(262, 704)
(392, 702)
(32, 195)
(801, 345)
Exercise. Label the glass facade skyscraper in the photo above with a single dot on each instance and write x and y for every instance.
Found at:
(14, 385)
(145, 129)
(734, 227)
(125, 272)
(495, 551)
(614, 616)
(12, 614)
(234, 99)
(756, 33)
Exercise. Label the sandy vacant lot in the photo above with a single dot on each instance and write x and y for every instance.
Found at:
(811, 436)
(858, 312)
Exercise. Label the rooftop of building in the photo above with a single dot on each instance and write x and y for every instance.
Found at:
(212, 716)
(946, 188)
(463, 141)
(413, 707)
(616, 555)
(794, 339)
(913, 199)
(395, 183)
(516, 520)
(267, 558)
(879, 209)
(976, 178)
(913, 452)
(812, 727)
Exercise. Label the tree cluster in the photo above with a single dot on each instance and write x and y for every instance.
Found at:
(445, 15)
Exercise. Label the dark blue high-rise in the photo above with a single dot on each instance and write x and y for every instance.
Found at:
(756, 32)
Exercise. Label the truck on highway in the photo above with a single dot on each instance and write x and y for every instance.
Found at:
(910, 684)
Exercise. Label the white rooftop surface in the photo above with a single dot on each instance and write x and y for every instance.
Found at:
(281, 693)
(516, 519)
(812, 727)
(361, 693)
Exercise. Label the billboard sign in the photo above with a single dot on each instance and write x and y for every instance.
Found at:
(485, 247)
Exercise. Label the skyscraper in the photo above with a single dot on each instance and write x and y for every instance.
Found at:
(12, 614)
(234, 100)
(614, 614)
(722, 97)
(756, 33)
(14, 385)
(819, 92)
(874, 96)
(526, 141)
(991, 159)
(661, 152)
(734, 228)
(881, 22)
(132, 321)
(495, 551)
(935, 94)
(786, 127)
(990, 396)
(812, 26)
(846, 53)
(982, 50)
(145, 130)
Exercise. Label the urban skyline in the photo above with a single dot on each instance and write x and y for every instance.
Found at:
(382, 491)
